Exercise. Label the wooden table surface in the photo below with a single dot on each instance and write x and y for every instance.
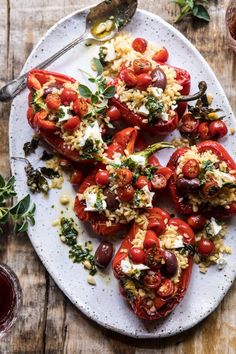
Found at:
(48, 322)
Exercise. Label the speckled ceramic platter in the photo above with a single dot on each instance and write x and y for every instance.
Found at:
(102, 303)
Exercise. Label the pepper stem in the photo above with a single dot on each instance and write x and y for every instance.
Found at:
(154, 148)
(202, 89)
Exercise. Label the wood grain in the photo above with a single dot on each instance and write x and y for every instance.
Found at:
(48, 322)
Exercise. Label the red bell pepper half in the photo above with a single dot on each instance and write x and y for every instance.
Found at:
(121, 184)
(147, 273)
(207, 189)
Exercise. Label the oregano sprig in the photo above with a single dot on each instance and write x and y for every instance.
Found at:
(195, 8)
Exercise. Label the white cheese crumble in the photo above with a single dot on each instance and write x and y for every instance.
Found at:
(130, 268)
(138, 159)
(215, 228)
(143, 110)
(178, 242)
(149, 196)
(221, 177)
(156, 92)
(111, 54)
(67, 115)
(164, 116)
(91, 132)
(91, 200)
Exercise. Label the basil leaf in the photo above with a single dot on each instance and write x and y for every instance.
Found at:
(201, 12)
(109, 91)
(98, 65)
(85, 91)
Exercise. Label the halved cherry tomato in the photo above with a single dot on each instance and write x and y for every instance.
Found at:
(188, 124)
(210, 189)
(143, 81)
(203, 131)
(80, 107)
(129, 77)
(197, 222)
(191, 168)
(53, 101)
(33, 83)
(161, 56)
(136, 254)
(126, 193)
(102, 178)
(152, 279)
(76, 177)
(68, 95)
(157, 225)
(124, 176)
(141, 182)
(151, 240)
(139, 45)
(113, 113)
(43, 123)
(158, 181)
(153, 257)
(72, 124)
(218, 129)
(205, 247)
(141, 66)
(166, 289)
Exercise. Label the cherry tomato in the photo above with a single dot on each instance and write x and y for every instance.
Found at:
(152, 279)
(124, 176)
(113, 113)
(143, 81)
(136, 254)
(33, 83)
(161, 56)
(141, 182)
(129, 77)
(203, 131)
(72, 124)
(102, 178)
(80, 107)
(157, 225)
(151, 240)
(141, 66)
(166, 289)
(205, 247)
(153, 258)
(76, 177)
(218, 129)
(191, 168)
(126, 194)
(158, 181)
(139, 45)
(197, 222)
(53, 101)
(68, 95)
(210, 189)
(43, 123)
(188, 124)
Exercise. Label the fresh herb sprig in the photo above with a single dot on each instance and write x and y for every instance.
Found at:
(195, 8)
(20, 214)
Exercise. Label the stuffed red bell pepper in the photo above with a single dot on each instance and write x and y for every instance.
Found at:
(119, 189)
(64, 119)
(154, 264)
(204, 180)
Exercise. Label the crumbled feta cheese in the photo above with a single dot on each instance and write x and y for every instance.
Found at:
(149, 196)
(221, 177)
(216, 228)
(221, 263)
(130, 268)
(91, 200)
(143, 110)
(156, 92)
(91, 132)
(66, 113)
(178, 242)
(164, 116)
(138, 159)
(111, 54)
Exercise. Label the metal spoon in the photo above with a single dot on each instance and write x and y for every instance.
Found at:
(121, 12)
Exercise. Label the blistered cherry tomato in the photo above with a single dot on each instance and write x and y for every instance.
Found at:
(166, 288)
(68, 95)
(141, 182)
(152, 279)
(43, 123)
(197, 222)
(210, 189)
(126, 194)
(205, 247)
(191, 168)
(218, 129)
(76, 177)
(141, 66)
(151, 240)
(80, 107)
(129, 77)
(33, 83)
(161, 56)
(153, 258)
(143, 81)
(113, 113)
(53, 101)
(136, 254)
(124, 176)
(158, 181)
(188, 124)
(72, 124)
(203, 131)
(139, 45)
(102, 178)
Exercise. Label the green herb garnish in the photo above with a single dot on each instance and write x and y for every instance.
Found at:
(68, 234)
(154, 107)
(79, 254)
(49, 172)
(195, 8)
(46, 156)
(31, 146)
